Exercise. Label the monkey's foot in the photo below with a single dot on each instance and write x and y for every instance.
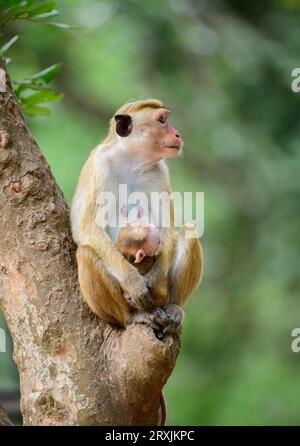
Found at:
(174, 319)
(156, 319)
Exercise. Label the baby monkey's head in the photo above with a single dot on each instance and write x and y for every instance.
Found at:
(138, 240)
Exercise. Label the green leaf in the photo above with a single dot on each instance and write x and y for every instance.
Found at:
(27, 84)
(46, 15)
(46, 75)
(60, 25)
(37, 82)
(36, 111)
(16, 8)
(31, 2)
(7, 45)
(35, 11)
(42, 96)
(42, 8)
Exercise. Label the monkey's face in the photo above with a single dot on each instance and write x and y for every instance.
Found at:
(147, 134)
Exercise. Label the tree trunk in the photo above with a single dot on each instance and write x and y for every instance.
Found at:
(74, 369)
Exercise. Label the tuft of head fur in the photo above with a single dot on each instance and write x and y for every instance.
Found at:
(131, 107)
(132, 236)
(134, 106)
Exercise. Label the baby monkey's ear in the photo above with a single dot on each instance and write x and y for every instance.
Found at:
(123, 124)
(139, 256)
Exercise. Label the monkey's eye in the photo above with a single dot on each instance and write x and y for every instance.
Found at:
(162, 119)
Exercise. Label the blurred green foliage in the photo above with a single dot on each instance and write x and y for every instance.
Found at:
(224, 68)
(33, 91)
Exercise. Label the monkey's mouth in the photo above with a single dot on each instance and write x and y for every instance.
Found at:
(177, 147)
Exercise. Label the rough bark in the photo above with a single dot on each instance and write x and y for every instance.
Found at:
(4, 420)
(74, 369)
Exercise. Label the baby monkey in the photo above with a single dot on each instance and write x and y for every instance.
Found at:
(140, 243)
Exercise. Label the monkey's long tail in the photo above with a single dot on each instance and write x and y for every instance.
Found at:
(163, 410)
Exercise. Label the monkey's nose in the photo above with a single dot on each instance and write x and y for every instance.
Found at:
(178, 138)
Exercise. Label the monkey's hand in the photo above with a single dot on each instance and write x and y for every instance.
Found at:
(137, 293)
(157, 282)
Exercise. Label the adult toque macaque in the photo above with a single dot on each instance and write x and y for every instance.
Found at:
(139, 140)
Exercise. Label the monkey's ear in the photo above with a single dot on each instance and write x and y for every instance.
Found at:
(140, 255)
(123, 124)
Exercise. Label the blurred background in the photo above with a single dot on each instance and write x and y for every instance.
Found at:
(224, 68)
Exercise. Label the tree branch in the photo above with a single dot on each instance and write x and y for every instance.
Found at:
(74, 369)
